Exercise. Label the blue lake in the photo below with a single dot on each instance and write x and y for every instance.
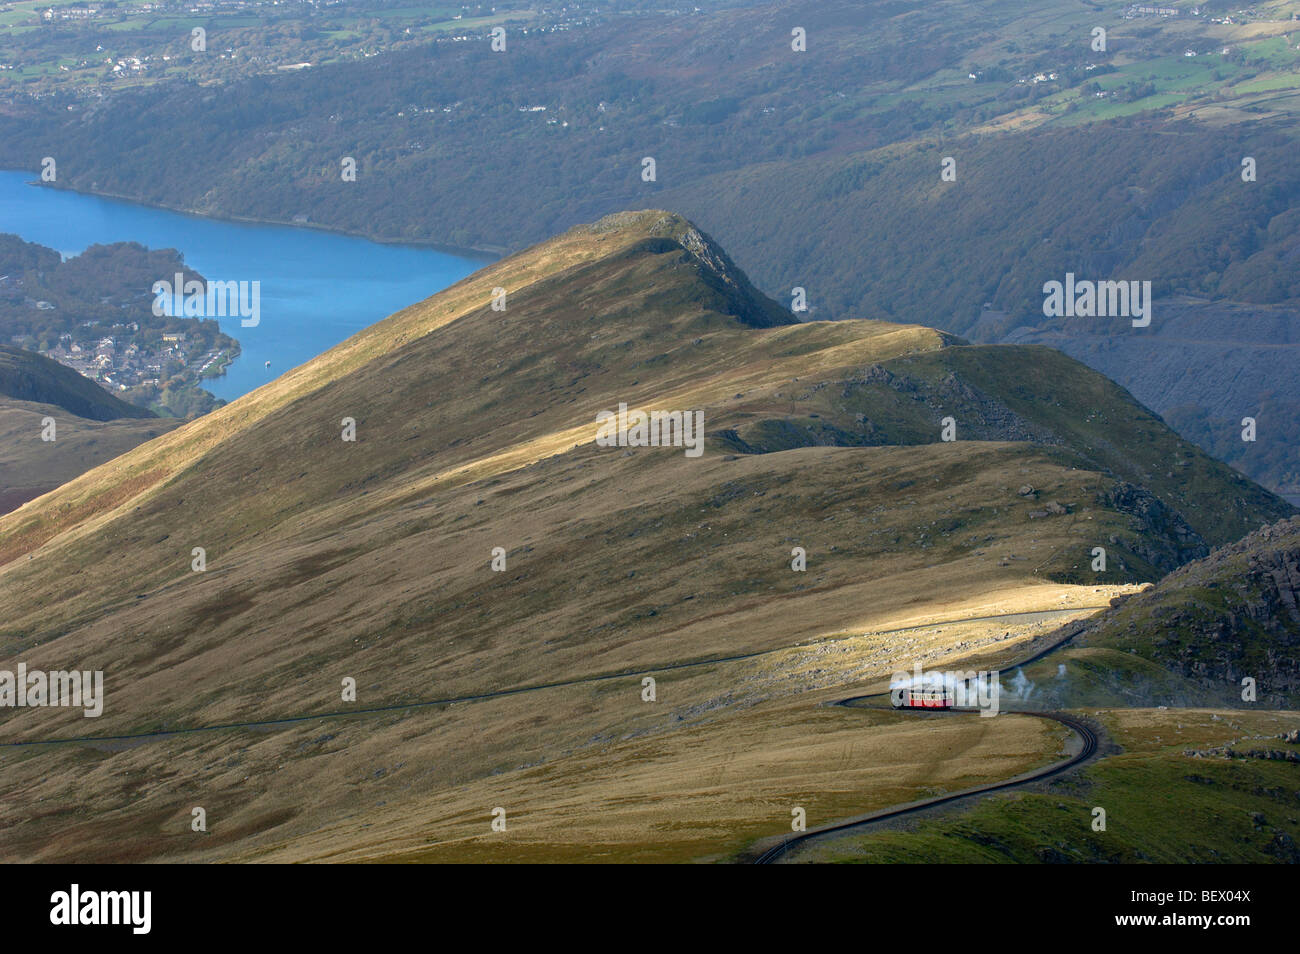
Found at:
(317, 288)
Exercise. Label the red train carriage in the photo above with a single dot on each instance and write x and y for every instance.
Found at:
(923, 697)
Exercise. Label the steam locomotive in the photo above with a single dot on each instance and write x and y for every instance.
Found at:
(923, 697)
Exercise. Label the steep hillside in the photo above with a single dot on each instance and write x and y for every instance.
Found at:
(372, 560)
(1204, 367)
(1230, 616)
(1183, 502)
(27, 376)
(91, 426)
(1163, 202)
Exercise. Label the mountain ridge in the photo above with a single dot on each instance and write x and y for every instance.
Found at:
(373, 560)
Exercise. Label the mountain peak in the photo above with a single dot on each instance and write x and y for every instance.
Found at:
(663, 229)
(348, 512)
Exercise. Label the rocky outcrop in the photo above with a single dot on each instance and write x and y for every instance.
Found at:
(1231, 616)
(1163, 538)
(667, 231)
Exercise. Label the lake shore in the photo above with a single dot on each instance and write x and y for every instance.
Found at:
(487, 254)
(311, 287)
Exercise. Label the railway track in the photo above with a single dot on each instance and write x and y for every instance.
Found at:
(415, 704)
(1087, 750)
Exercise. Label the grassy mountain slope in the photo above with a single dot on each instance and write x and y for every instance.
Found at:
(91, 426)
(30, 466)
(329, 560)
(1202, 786)
(1190, 639)
(27, 376)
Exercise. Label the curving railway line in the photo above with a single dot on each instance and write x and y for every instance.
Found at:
(1086, 751)
(1087, 735)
